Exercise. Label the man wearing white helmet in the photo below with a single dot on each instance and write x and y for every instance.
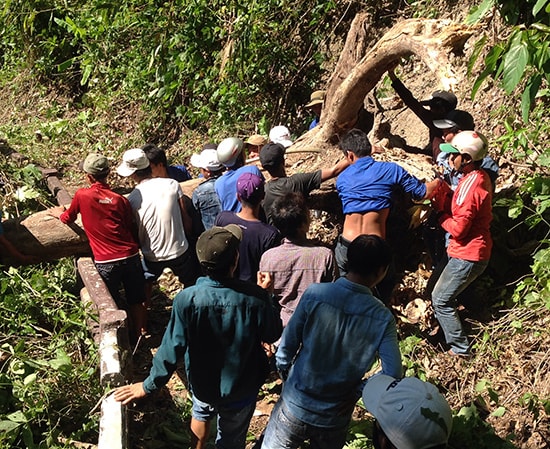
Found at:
(466, 215)
(205, 199)
(231, 155)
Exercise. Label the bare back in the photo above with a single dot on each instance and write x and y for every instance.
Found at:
(373, 222)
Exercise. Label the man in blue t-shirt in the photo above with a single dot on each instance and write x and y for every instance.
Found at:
(315, 105)
(365, 189)
(231, 155)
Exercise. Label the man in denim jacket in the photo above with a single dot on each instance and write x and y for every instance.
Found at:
(333, 338)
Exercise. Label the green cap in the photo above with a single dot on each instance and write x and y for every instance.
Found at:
(217, 247)
(96, 164)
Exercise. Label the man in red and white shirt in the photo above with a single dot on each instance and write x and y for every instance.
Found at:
(466, 215)
(108, 221)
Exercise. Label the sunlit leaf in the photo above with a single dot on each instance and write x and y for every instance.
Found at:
(515, 61)
(478, 47)
(7, 425)
(479, 11)
(528, 96)
(538, 6)
(500, 411)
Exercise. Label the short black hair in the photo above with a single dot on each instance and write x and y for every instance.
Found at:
(355, 141)
(100, 177)
(144, 173)
(367, 254)
(155, 154)
(289, 213)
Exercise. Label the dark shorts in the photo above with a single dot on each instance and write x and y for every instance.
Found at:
(127, 272)
(185, 267)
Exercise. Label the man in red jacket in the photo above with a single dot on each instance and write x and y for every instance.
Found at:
(466, 215)
(108, 222)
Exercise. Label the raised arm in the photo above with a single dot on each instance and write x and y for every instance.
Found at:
(335, 170)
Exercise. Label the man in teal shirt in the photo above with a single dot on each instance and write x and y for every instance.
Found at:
(218, 327)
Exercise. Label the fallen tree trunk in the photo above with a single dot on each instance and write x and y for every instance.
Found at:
(430, 40)
(45, 237)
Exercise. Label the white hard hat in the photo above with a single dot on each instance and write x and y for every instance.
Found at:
(472, 143)
(280, 134)
(229, 150)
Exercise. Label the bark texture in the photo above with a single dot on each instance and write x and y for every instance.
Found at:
(356, 74)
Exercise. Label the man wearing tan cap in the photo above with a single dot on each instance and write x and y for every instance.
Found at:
(254, 144)
(316, 101)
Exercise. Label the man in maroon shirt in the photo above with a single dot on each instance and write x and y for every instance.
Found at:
(108, 222)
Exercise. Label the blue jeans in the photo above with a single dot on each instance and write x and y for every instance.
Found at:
(233, 421)
(454, 278)
(341, 255)
(284, 431)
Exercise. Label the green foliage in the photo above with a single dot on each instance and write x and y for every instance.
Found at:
(524, 57)
(412, 365)
(535, 405)
(526, 142)
(360, 435)
(471, 430)
(22, 189)
(534, 290)
(200, 63)
(46, 355)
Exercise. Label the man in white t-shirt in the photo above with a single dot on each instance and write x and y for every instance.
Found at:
(162, 221)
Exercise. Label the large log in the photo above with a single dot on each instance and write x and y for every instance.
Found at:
(431, 41)
(45, 237)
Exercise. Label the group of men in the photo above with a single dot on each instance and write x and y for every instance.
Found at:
(264, 284)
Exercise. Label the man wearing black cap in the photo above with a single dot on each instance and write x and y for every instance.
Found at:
(437, 108)
(453, 123)
(272, 158)
(218, 327)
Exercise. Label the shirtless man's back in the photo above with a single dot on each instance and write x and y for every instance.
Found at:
(365, 189)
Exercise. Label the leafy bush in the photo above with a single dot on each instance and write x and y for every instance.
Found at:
(200, 63)
(46, 355)
(523, 56)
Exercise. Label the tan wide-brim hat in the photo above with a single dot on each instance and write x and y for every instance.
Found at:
(257, 140)
(317, 97)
